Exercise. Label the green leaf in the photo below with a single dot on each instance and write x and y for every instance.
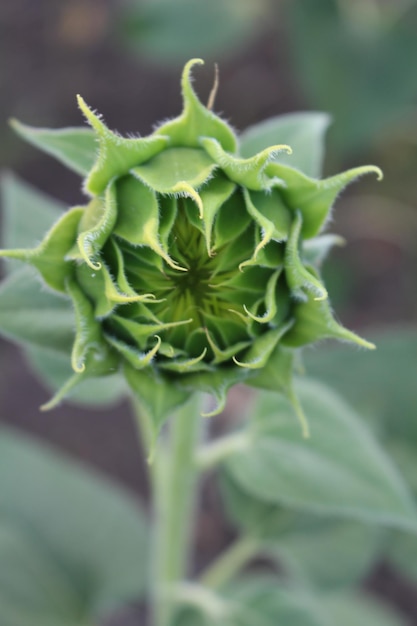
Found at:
(264, 601)
(34, 590)
(27, 215)
(252, 601)
(74, 147)
(380, 384)
(313, 549)
(346, 609)
(315, 251)
(54, 370)
(340, 470)
(170, 33)
(402, 553)
(329, 554)
(304, 132)
(31, 314)
(81, 537)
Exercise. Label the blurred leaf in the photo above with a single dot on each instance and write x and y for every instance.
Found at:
(66, 530)
(330, 555)
(267, 601)
(405, 455)
(303, 132)
(30, 313)
(34, 589)
(54, 369)
(254, 601)
(380, 384)
(263, 601)
(326, 552)
(27, 215)
(402, 552)
(355, 64)
(172, 32)
(74, 147)
(340, 470)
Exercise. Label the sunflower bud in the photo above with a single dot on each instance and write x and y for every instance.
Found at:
(191, 267)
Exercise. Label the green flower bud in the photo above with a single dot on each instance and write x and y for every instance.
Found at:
(192, 267)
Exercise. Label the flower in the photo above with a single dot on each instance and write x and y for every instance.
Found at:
(191, 267)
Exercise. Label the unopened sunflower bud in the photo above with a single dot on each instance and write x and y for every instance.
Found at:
(191, 267)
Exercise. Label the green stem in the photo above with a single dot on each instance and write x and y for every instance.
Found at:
(230, 562)
(174, 485)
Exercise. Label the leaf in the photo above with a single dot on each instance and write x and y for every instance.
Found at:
(324, 552)
(81, 536)
(27, 215)
(252, 601)
(34, 589)
(340, 470)
(327, 554)
(380, 384)
(264, 601)
(304, 132)
(74, 147)
(402, 553)
(29, 313)
(346, 609)
(170, 33)
(54, 370)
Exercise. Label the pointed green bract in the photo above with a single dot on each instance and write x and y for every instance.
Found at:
(96, 226)
(116, 155)
(314, 321)
(303, 131)
(299, 278)
(196, 120)
(248, 172)
(315, 198)
(49, 257)
(193, 266)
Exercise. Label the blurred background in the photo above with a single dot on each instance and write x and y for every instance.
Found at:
(355, 59)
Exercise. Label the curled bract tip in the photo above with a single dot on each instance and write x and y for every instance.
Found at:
(379, 173)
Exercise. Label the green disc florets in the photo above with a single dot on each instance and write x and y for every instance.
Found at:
(192, 267)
